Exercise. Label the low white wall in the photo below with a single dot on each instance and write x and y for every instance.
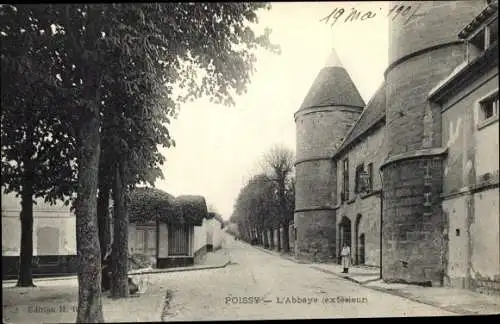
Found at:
(53, 228)
(200, 236)
(217, 234)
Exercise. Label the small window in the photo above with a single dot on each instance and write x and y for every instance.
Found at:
(488, 108)
(360, 179)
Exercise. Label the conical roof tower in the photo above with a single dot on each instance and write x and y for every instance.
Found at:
(331, 107)
(333, 87)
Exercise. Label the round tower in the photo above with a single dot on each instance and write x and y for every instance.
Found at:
(423, 49)
(330, 108)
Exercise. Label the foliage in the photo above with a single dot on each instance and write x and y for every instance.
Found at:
(29, 100)
(141, 261)
(192, 208)
(105, 74)
(151, 204)
(268, 199)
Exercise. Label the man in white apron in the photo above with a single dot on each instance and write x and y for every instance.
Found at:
(346, 257)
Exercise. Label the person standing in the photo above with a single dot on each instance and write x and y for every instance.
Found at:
(346, 257)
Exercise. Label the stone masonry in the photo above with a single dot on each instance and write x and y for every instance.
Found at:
(425, 48)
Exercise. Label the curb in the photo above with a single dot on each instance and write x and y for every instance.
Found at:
(183, 269)
(219, 266)
(279, 255)
(336, 274)
(344, 277)
(453, 309)
(395, 292)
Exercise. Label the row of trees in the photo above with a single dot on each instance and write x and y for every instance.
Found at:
(88, 91)
(267, 201)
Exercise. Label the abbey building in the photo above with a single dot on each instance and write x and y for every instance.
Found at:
(409, 179)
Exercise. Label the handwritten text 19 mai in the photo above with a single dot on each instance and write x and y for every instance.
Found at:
(396, 12)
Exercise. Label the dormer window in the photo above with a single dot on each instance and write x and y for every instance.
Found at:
(482, 39)
(482, 32)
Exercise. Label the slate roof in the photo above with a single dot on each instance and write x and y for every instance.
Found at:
(333, 87)
(490, 10)
(371, 115)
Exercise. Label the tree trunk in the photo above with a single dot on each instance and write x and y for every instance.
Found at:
(119, 254)
(286, 238)
(25, 278)
(278, 232)
(104, 231)
(271, 237)
(87, 237)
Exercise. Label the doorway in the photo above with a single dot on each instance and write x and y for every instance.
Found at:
(344, 234)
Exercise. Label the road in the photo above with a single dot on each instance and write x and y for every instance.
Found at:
(258, 285)
(255, 286)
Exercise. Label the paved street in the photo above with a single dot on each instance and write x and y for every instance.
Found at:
(256, 285)
(238, 291)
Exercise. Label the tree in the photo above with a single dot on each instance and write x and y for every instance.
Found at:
(219, 79)
(278, 166)
(256, 207)
(37, 151)
(207, 50)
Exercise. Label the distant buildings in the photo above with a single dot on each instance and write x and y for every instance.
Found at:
(171, 231)
(410, 179)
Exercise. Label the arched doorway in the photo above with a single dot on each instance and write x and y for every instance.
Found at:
(357, 247)
(344, 234)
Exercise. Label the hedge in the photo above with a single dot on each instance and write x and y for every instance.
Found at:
(151, 204)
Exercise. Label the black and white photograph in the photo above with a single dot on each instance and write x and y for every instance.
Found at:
(249, 161)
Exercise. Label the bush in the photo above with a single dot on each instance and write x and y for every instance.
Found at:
(141, 261)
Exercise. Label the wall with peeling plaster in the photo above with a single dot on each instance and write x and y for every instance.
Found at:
(484, 236)
(470, 189)
(471, 151)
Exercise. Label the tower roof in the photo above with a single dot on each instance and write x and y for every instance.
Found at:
(371, 116)
(333, 87)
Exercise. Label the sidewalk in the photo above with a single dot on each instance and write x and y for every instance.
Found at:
(212, 260)
(459, 301)
(55, 300)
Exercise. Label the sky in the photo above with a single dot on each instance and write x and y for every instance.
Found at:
(219, 148)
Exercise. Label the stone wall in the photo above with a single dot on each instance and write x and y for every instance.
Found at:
(413, 224)
(319, 130)
(413, 221)
(363, 207)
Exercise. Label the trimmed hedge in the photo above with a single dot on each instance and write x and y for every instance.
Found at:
(193, 209)
(151, 204)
